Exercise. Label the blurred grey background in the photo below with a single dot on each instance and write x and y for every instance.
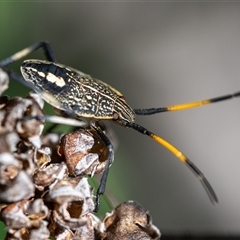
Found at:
(156, 54)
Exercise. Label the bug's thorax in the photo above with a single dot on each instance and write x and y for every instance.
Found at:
(45, 75)
(70, 90)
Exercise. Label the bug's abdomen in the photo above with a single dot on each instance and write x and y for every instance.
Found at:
(97, 100)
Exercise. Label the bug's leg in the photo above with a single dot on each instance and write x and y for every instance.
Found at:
(103, 181)
(24, 52)
(212, 195)
(183, 106)
(58, 120)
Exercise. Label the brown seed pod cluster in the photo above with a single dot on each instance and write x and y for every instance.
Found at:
(129, 221)
(44, 190)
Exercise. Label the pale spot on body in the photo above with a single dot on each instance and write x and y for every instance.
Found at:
(59, 81)
(88, 97)
(42, 74)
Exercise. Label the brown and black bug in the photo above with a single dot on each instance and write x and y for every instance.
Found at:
(88, 100)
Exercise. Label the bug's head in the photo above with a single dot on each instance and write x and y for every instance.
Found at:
(122, 111)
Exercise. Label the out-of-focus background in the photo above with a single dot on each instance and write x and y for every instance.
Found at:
(156, 54)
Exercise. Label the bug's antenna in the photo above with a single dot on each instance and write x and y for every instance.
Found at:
(150, 111)
(212, 195)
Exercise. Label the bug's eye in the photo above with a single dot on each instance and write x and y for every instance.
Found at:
(123, 98)
(115, 116)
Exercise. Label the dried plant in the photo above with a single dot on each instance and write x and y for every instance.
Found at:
(44, 189)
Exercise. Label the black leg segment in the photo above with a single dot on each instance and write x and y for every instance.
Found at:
(23, 53)
(103, 181)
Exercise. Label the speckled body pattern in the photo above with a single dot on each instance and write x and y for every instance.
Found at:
(80, 93)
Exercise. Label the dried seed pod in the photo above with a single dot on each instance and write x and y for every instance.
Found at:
(15, 183)
(26, 158)
(18, 188)
(87, 232)
(84, 228)
(12, 175)
(43, 177)
(26, 213)
(63, 217)
(9, 168)
(51, 140)
(14, 217)
(40, 233)
(61, 233)
(43, 156)
(84, 152)
(25, 220)
(128, 221)
(13, 114)
(69, 189)
(73, 202)
(8, 142)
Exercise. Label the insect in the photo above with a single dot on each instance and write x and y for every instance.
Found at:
(87, 101)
